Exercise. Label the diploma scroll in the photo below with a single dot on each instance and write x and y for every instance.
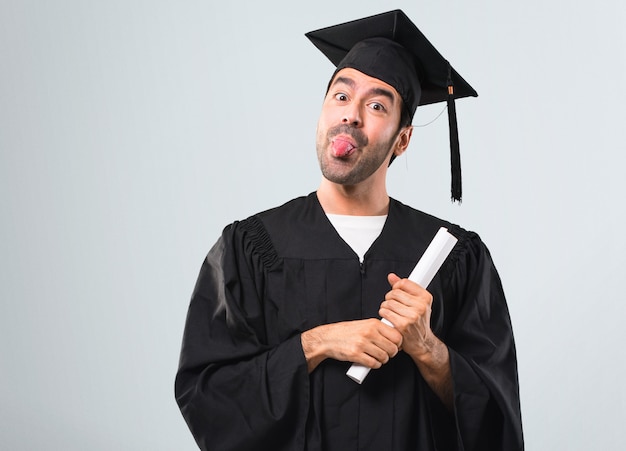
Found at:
(423, 273)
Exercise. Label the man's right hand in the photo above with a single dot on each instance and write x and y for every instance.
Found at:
(368, 342)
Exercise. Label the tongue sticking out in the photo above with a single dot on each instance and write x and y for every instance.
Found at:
(342, 148)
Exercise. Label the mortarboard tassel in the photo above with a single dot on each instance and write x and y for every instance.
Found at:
(455, 155)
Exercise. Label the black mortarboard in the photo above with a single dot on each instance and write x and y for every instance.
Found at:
(389, 47)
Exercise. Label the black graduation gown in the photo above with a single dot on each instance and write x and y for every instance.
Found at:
(243, 384)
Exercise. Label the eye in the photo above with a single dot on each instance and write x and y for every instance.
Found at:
(340, 96)
(377, 106)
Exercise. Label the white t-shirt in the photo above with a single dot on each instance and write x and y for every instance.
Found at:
(358, 231)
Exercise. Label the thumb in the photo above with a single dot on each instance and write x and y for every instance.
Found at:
(392, 279)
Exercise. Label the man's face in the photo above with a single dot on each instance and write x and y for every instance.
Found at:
(358, 127)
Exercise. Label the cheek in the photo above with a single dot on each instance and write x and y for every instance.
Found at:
(326, 116)
(385, 132)
(321, 129)
(326, 121)
(331, 112)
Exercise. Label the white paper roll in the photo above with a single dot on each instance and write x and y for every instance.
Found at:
(423, 273)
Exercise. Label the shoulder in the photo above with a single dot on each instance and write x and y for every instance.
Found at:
(264, 234)
(290, 209)
(416, 217)
(421, 227)
(271, 216)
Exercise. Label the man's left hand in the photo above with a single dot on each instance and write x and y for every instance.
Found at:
(408, 307)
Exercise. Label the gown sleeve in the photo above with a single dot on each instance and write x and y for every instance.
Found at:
(235, 390)
(482, 354)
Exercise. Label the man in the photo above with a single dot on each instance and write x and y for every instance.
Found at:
(288, 298)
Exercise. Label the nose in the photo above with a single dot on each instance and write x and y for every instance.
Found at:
(351, 117)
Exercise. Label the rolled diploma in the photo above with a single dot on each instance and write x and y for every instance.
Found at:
(423, 273)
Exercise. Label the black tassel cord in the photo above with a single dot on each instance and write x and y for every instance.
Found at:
(455, 155)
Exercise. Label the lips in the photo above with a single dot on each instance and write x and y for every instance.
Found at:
(342, 147)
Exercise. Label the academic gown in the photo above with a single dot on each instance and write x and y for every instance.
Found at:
(243, 384)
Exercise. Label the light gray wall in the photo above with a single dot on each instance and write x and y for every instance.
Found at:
(132, 131)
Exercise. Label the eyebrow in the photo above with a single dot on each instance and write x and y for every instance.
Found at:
(374, 91)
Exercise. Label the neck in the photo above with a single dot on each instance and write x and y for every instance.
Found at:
(352, 200)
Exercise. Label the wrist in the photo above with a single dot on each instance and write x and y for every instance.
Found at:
(431, 353)
(313, 347)
(434, 365)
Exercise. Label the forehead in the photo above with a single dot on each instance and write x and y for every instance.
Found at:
(360, 81)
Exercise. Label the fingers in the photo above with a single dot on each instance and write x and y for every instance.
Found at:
(392, 341)
(381, 343)
(404, 285)
(376, 358)
(406, 305)
(367, 342)
(406, 292)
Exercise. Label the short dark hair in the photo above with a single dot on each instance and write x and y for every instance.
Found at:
(406, 118)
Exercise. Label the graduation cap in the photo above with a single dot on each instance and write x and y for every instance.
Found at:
(390, 47)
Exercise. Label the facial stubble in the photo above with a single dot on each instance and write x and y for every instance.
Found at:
(367, 160)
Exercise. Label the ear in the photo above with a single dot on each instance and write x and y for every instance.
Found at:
(403, 140)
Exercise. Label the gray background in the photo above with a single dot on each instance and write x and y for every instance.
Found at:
(132, 132)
